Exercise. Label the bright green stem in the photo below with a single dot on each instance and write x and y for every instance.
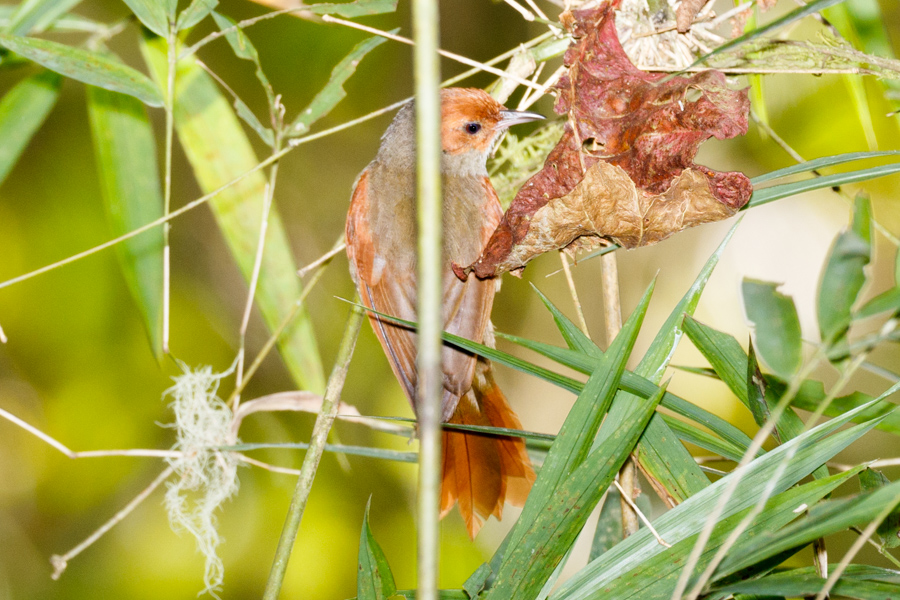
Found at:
(428, 405)
(311, 461)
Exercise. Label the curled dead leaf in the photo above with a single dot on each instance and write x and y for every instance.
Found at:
(623, 168)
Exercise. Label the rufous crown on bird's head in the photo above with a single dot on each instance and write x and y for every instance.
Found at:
(471, 120)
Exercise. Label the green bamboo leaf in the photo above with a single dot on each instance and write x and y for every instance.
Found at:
(244, 49)
(802, 455)
(664, 459)
(88, 67)
(812, 393)
(574, 337)
(843, 277)
(375, 580)
(785, 190)
(820, 163)
(873, 479)
(795, 15)
(657, 577)
(61, 23)
(560, 498)
(333, 92)
(219, 152)
(756, 389)
(774, 317)
(826, 519)
(364, 451)
(687, 432)
(129, 181)
(22, 112)
(34, 16)
(196, 11)
(359, 8)
(561, 519)
(884, 302)
(152, 13)
(806, 582)
(609, 524)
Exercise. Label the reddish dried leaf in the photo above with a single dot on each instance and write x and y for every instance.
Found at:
(623, 168)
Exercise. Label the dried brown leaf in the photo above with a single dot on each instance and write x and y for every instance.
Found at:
(623, 169)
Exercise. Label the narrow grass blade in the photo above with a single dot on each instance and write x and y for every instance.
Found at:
(609, 525)
(333, 92)
(524, 571)
(774, 316)
(22, 112)
(219, 151)
(359, 8)
(365, 451)
(831, 517)
(129, 181)
(657, 577)
(196, 11)
(806, 582)
(572, 334)
(375, 580)
(843, 277)
(820, 163)
(88, 67)
(785, 190)
(58, 23)
(887, 301)
(810, 450)
(152, 13)
(812, 393)
(795, 15)
(693, 435)
(36, 15)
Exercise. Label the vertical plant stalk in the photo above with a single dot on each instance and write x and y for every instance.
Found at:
(324, 421)
(578, 310)
(172, 60)
(612, 316)
(428, 407)
(257, 265)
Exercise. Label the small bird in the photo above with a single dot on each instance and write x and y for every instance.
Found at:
(479, 472)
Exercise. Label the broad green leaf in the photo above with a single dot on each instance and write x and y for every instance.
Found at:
(36, 15)
(61, 23)
(375, 580)
(219, 152)
(843, 277)
(524, 571)
(872, 479)
(88, 67)
(820, 163)
(884, 302)
(806, 582)
(22, 112)
(828, 518)
(333, 92)
(196, 11)
(803, 454)
(609, 525)
(774, 316)
(785, 190)
(152, 13)
(657, 577)
(129, 181)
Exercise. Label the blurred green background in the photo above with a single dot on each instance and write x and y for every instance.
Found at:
(78, 365)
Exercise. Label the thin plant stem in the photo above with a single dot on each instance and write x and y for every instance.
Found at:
(254, 277)
(338, 247)
(612, 316)
(3, 338)
(426, 69)
(60, 562)
(324, 421)
(578, 310)
(526, 14)
(641, 515)
(172, 62)
(451, 55)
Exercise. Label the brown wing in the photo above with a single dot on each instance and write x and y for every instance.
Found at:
(381, 288)
(467, 305)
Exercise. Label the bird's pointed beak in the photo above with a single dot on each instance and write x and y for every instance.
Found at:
(508, 118)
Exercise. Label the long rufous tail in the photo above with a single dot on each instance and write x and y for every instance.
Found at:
(483, 472)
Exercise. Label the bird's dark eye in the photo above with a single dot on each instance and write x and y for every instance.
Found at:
(473, 128)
